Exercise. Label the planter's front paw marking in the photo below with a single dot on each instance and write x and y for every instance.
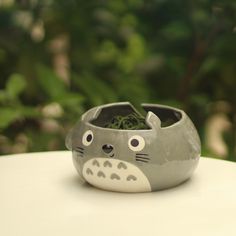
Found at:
(131, 177)
(96, 163)
(122, 165)
(89, 172)
(101, 174)
(107, 163)
(115, 175)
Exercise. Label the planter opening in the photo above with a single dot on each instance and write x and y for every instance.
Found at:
(126, 117)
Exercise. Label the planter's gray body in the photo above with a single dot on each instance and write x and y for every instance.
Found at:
(165, 156)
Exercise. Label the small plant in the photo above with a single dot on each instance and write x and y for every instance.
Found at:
(132, 121)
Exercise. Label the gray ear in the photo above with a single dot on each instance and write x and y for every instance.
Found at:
(91, 114)
(69, 140)
(153, 120)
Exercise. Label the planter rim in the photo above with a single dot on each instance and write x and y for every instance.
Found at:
(94, 112)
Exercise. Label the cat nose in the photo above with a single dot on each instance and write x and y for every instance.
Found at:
(107, 148)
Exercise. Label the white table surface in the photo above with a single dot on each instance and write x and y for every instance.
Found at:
(41, 194)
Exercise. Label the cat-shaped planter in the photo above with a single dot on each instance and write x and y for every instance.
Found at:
(160, 157)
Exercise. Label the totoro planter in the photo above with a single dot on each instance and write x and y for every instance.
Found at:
(161, 156)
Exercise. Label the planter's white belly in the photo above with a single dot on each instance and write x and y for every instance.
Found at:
(115, 175)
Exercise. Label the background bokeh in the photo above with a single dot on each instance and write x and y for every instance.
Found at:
(59, 58)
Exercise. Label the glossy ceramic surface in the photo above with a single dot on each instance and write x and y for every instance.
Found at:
(147, 160)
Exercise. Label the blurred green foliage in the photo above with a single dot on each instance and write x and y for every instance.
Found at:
(180, 53)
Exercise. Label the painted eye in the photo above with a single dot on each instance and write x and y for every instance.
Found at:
(136, 143)
(87, 138)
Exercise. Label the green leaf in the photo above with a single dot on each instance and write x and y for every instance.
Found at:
(29, 112)
(176, 31)
(51, 84)
(107, 53)
(210, 64)
(133, 55)
(3, 96)
(15, 85)
(70, 99)
(101, 94)
(8, 116)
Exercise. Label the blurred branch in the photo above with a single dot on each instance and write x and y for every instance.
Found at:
(59, 47)
(199, 52)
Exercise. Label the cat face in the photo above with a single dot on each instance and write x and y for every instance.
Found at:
(112, 159)
(131, 146)
(125, 160)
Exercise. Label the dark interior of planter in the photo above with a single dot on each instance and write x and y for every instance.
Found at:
(167, 116)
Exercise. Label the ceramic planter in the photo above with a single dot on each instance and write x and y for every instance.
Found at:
(162, 156)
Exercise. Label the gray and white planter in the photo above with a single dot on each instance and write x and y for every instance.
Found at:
(135, 160)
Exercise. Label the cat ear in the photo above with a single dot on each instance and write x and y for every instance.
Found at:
(153, 120)
(91, 114)
(68, 141)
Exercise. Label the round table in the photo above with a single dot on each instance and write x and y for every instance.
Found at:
(41, 195)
